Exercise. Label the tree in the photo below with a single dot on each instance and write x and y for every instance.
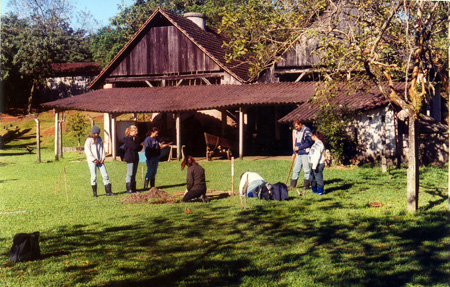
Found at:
(365, 41)
(77, 126)
(385, 41)
(34, 38)
(262, 30)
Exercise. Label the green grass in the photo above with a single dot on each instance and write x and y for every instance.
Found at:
(337, 239)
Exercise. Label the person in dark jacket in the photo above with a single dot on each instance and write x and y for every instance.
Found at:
(152, 148)
(301, 144)
(195, 181)
(131, 157)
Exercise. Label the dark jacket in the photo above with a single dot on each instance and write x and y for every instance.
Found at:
(132, 147)
(195, 179)
(152, 148)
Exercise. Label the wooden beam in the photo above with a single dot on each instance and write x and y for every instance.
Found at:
(162, 77)
(241, 133)
(206, 81)
(56, 134)
(148, 83)
(178, 131)
(113, 136)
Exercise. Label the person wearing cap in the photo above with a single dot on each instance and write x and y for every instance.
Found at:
(95, 153)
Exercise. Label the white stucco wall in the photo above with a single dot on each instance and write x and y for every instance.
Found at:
(375, 133)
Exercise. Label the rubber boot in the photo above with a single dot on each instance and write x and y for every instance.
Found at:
(146, 184)
(306, 184)
(108, 190)
(94, 190)
(129, 187)
(320, 190)
(314, 189)
(152, 183)
(293, 183)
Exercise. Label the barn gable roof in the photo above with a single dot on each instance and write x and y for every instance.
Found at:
(208, 41)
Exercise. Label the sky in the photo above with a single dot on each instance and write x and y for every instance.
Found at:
(101, 10)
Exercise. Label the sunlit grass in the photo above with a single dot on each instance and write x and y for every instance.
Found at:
(338, 239)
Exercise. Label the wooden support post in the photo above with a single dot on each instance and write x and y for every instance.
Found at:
(56, 134)
(232, 175)
(60, 139)
(178, 131)
(113, 136)
(241, 133)
(38, 139)
(224, 122)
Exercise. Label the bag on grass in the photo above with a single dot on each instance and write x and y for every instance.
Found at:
(279, 191)
(25, 247)
(263, 192)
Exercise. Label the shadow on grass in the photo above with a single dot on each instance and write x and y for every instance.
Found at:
(211, 248)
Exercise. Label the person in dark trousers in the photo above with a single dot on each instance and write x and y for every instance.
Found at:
(95, 154)
(152, 148)
(131, 157)
(195, 181)
(301, 144)
(317, 162)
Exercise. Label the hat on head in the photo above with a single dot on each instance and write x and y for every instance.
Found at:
(95, 130)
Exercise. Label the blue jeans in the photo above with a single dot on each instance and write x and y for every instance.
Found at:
(301, 160)
(316, 178)
(131, 171)
(253, 186)
(93, 170)
(152, 167)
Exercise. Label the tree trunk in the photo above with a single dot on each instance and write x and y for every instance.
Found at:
(30, 98)
(412, 188)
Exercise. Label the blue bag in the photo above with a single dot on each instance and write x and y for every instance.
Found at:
(279, 191)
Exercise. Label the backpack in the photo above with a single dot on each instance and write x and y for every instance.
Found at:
(25, 247)
(263, 192)
(279, 191)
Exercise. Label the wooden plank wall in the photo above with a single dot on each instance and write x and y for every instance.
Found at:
(164, 50)
(301, 55)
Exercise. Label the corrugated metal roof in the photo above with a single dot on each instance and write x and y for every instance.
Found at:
(208, 41)
(186, 98)
(359, 98)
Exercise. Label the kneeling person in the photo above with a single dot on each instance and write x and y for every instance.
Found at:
(195, 181)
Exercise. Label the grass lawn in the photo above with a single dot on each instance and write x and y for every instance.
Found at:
(338, 239)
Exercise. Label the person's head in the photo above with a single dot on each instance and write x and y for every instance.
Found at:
(154, 132)
(95, 131)
(131, 131)
(317, 136)
(298, 125)
(188, 161)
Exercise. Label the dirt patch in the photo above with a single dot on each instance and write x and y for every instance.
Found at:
(158, 196)
(154, 195)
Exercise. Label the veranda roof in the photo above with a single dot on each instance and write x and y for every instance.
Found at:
(356, 98)
(186, 98)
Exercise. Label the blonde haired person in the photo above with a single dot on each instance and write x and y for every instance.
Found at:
(131, 157)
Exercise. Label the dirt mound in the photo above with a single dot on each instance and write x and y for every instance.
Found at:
(154, 195)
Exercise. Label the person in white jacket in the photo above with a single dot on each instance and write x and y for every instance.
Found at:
(317, 163)
(252, 181)
(95, 154)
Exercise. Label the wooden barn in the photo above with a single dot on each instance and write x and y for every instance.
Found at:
(175, 68)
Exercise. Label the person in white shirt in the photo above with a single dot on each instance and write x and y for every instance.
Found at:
(252, 181)
(317, 163)
(95, 154)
